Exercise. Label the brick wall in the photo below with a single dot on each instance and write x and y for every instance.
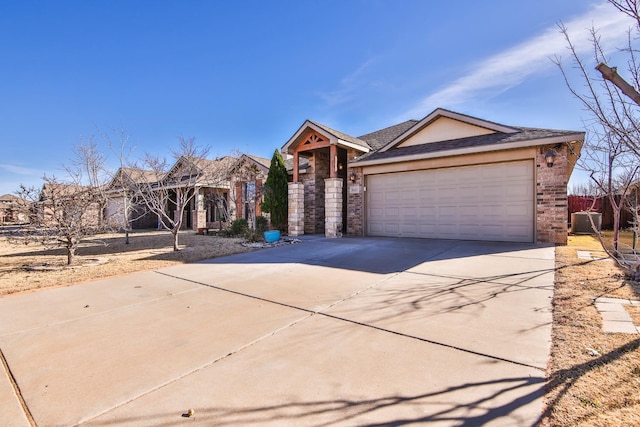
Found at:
(322, 166)
(355, 203)
(551, 198)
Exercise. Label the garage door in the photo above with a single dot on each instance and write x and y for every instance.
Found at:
(485, 202)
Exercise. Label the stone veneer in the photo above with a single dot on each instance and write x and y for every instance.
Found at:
(333, 207)
(296, 209)
(551, 197)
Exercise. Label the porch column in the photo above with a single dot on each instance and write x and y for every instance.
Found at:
(296, 166)
(296, 208)
(199, 217)
(333, 161)
(333, 207)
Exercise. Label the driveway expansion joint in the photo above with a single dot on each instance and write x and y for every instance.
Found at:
(16, 389)
(344, 319)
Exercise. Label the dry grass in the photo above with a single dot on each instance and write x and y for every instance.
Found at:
(147, 250)
(587, 388)
(626, 239)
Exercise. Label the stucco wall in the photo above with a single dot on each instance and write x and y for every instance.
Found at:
(444, 129)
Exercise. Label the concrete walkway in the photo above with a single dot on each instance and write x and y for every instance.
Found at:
(352, 331)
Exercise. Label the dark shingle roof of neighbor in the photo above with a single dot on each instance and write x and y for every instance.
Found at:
(382, 137)
(497, 139)
(302, 162)
(262, 160)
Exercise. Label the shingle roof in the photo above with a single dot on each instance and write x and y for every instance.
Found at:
(382, 137)
(263, 161)
(8, 197)
(303, 164)
(216, 170)
(523, 134)
(139, 175)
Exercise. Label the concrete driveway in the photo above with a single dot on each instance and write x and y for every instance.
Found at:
(352, 331)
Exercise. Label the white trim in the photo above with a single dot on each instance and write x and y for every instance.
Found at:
(333, 140)
(470, 150)
(352, 145)
(307, 124)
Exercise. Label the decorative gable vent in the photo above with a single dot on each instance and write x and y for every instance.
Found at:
(313, 139)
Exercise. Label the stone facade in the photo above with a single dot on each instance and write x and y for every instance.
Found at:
(296, 209)
(551, 197)
(333, 207)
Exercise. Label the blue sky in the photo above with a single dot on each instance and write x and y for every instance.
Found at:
(244, 75)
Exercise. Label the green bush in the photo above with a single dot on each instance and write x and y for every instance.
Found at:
(239, 227)
(262, 224)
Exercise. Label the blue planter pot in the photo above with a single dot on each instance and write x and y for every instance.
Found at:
(271, 236)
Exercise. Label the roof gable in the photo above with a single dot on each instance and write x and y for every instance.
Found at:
(445, 125)
(253, 165)
(444, 129)
(333, 136)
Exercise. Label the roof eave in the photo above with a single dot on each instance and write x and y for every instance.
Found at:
(288, 146)
(473, 150)
(352, 145)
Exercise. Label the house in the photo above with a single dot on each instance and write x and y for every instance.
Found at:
(248, 176)
(216, 191)
(12, 209)
(61, 204)
(122, 207)
(447, 176)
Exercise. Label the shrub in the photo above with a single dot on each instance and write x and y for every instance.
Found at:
(262, 224)
(239, 228)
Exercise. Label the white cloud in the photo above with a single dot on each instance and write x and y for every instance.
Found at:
(20, 170)
(511, 67)
(348, 86)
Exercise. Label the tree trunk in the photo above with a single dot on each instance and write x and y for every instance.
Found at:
(175, 239)
(71, 251)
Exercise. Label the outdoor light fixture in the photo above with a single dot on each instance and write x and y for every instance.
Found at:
(550, 157)
(352, 176)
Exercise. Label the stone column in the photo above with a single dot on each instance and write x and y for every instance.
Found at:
(199, 214)
(296, 209)
(333, 207)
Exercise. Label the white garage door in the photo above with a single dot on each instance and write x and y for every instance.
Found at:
(485, 202)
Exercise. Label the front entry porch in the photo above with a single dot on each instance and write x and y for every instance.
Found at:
(318, 197)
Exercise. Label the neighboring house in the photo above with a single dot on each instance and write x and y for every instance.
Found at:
(123, 208)
(219, 190)
(448, 176)
(12, 210)
(60, 205)
(248, 176)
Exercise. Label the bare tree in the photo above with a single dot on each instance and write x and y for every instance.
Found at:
(65, 211)
(174, 191)
(246, 174)
(611, 154)
(123, 203)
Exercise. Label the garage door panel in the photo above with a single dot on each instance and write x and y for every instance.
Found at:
(487, 202)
